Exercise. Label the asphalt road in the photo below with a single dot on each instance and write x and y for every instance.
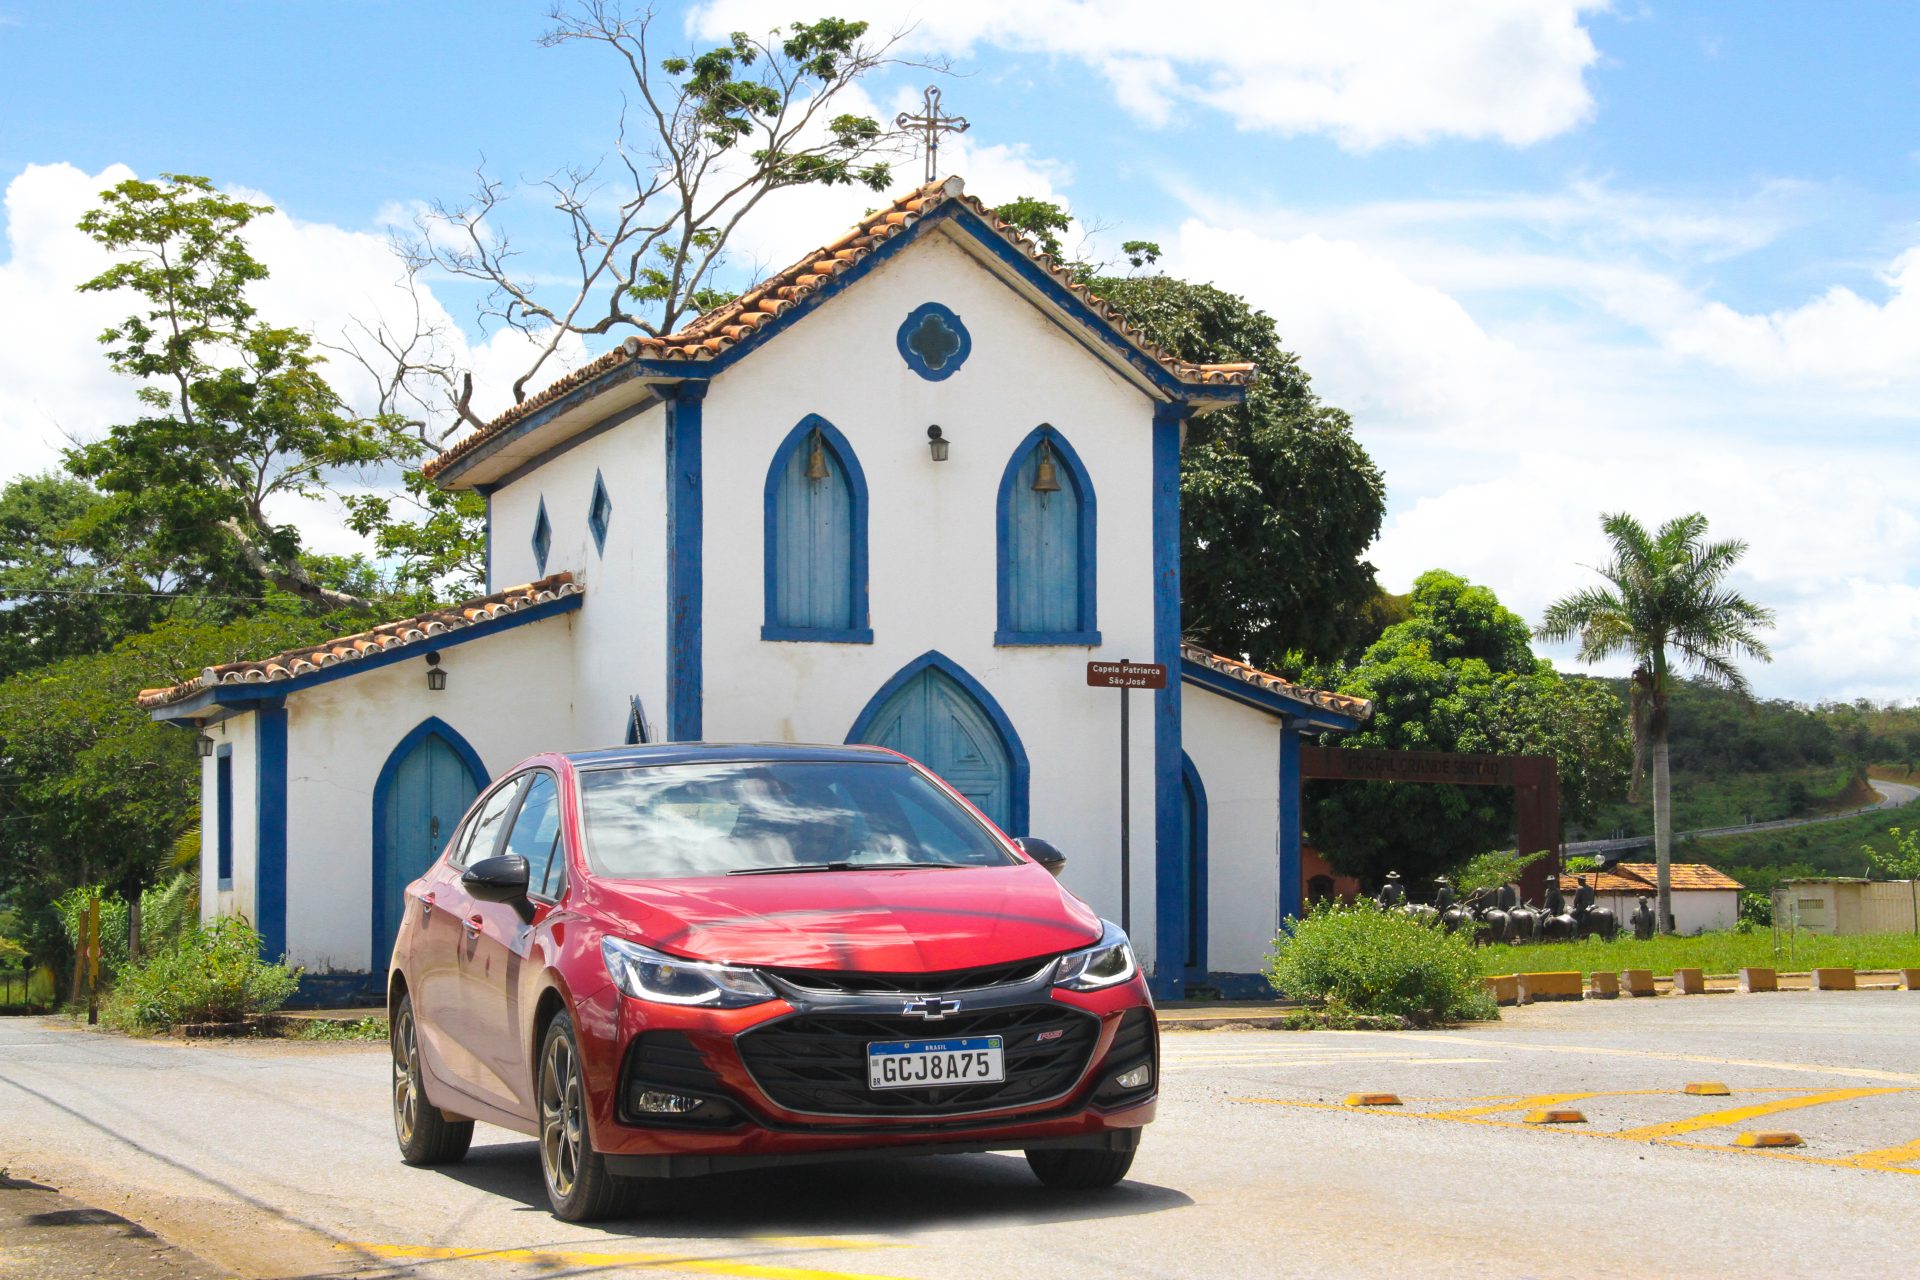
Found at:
(1893, 795)
(276, 1159)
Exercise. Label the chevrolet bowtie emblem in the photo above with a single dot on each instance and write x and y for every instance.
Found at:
(933, 1008)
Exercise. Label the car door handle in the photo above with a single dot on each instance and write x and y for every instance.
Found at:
(426, 907)
(473, 926)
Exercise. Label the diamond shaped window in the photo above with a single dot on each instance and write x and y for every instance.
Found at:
(542, 540)
(600, 513)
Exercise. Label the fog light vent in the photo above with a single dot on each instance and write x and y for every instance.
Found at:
(1138, 1078)
(660, 1103)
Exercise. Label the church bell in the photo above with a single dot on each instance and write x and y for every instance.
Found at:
(1046, 479)
(817, 460)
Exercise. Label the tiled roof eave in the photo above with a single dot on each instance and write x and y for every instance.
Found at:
(728, 330)
(1339, 704)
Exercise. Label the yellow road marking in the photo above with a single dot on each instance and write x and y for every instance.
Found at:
(1482, 1041)
(1739, 1115)
(640, 1261)
(825, 1242)
(1887, 1157)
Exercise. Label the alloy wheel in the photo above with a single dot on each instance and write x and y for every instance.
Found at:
(406, 1075)
(562, 1119)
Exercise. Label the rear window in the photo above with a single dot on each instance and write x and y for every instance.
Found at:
(682, 820)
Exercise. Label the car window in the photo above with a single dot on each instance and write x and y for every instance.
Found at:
(483, 829)
(670, 821)
(536, 827)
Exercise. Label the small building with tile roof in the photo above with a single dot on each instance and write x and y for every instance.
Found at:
(1704, 899)
(901, 492)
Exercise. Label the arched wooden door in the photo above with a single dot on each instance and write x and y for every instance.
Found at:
(425, 787)
(933, 717)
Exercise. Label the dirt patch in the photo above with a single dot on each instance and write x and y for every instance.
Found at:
(48, 1236)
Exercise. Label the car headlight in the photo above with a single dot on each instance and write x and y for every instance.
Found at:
(646, 974)
(1107, 963)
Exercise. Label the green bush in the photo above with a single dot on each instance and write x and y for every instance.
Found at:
(1376, 962)
(211, 973)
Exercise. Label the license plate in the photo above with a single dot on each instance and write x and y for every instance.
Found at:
(921, 1064)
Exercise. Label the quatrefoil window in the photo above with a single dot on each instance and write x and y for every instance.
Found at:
(933, 342)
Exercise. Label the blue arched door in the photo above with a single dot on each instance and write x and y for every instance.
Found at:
(935, 719)
(1193, 822)
(426, 786)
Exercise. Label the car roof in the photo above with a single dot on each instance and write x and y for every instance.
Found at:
(728, 753)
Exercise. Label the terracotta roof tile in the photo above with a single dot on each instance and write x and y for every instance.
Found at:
(714, 332)
(418, 630)
(1345, 704)
(1638, 877)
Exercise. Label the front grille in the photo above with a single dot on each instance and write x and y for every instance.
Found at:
(844, 981)
(817, 1062)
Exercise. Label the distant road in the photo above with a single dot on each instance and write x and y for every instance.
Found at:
(1893, 795)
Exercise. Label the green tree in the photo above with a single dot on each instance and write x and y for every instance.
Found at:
(1458, 675)
(1666, 601)
(238, 415)
(95, 791)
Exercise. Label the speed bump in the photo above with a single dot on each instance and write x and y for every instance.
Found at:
(1602, 985)
(1637, 982)
(1707, 1089)
(1561, 985)
(1555, 1115)
(1770, 1138)
(1689, 982)
(1373, 1099)
(1910, 979)
(1752, 980)
(1833, 980)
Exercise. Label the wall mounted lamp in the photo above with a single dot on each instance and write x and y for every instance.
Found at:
(204, 745)
(937, 444)
(436, 676)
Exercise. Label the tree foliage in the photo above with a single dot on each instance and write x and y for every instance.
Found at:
(1666, 603)
(1458, 675)
(238, 415)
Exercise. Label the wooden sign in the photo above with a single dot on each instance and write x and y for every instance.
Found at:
(1126, 675)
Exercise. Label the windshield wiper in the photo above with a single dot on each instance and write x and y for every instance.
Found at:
(841, 866)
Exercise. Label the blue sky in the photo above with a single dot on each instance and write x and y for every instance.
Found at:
(1555, 257)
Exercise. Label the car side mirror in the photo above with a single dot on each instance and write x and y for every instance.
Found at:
(500, 879)
(1043, 853)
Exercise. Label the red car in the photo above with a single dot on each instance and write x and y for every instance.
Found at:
(674, 960)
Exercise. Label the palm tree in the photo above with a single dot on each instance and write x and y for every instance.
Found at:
(1666, 595)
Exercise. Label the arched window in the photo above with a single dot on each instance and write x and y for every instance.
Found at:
(1046, 557)
(816, 539)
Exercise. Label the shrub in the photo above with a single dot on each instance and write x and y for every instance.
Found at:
(211, 973)
(1384, 963)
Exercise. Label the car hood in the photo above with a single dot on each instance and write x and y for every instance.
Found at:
(924, 921)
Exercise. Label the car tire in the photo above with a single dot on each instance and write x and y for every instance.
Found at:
(578, 1185)
(426, 1135)
(1072, 1170)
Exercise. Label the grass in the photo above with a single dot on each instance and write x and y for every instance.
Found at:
(374, 1029)
(1732, 800)
(1712, 952)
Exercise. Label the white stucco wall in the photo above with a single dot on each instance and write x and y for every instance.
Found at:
(1236, 751)
(339, 736)
(931, 538)
(622, 634)
(1694, 910)
(238, 895)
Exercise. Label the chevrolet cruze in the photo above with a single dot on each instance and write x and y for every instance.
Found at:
(674, 960)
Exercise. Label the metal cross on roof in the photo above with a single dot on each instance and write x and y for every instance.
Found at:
(931, 124)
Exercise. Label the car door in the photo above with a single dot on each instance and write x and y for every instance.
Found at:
(497, 944)
(445, 906)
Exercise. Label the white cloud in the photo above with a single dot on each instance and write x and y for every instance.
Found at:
(1365, 72)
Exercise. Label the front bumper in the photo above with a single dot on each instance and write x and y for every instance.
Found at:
(779, 1107)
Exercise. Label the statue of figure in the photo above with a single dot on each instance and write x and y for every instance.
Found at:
(1442, 893)
(1555, 903)
(1391, 894)
(1643, 919)
(1583, 898)
(1506, 897)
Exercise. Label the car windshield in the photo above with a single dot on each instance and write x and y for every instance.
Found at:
(672, 821)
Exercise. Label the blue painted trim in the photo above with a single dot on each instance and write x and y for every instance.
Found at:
(382, 788)
(915, 360)
(250, 696)
(819, 635)
(1292, 903)
(1239, 986)
(223, 816)
(542, 531)
(572, 442)
(270, 830)
(862, 630)
(1105, 337)
(1266, 700)
(1014, 639)
(338, 991)
(1170, 863)
(1197, 886)
(685, 593)
(597, 525)
(1089, 587)
(1017, 805)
